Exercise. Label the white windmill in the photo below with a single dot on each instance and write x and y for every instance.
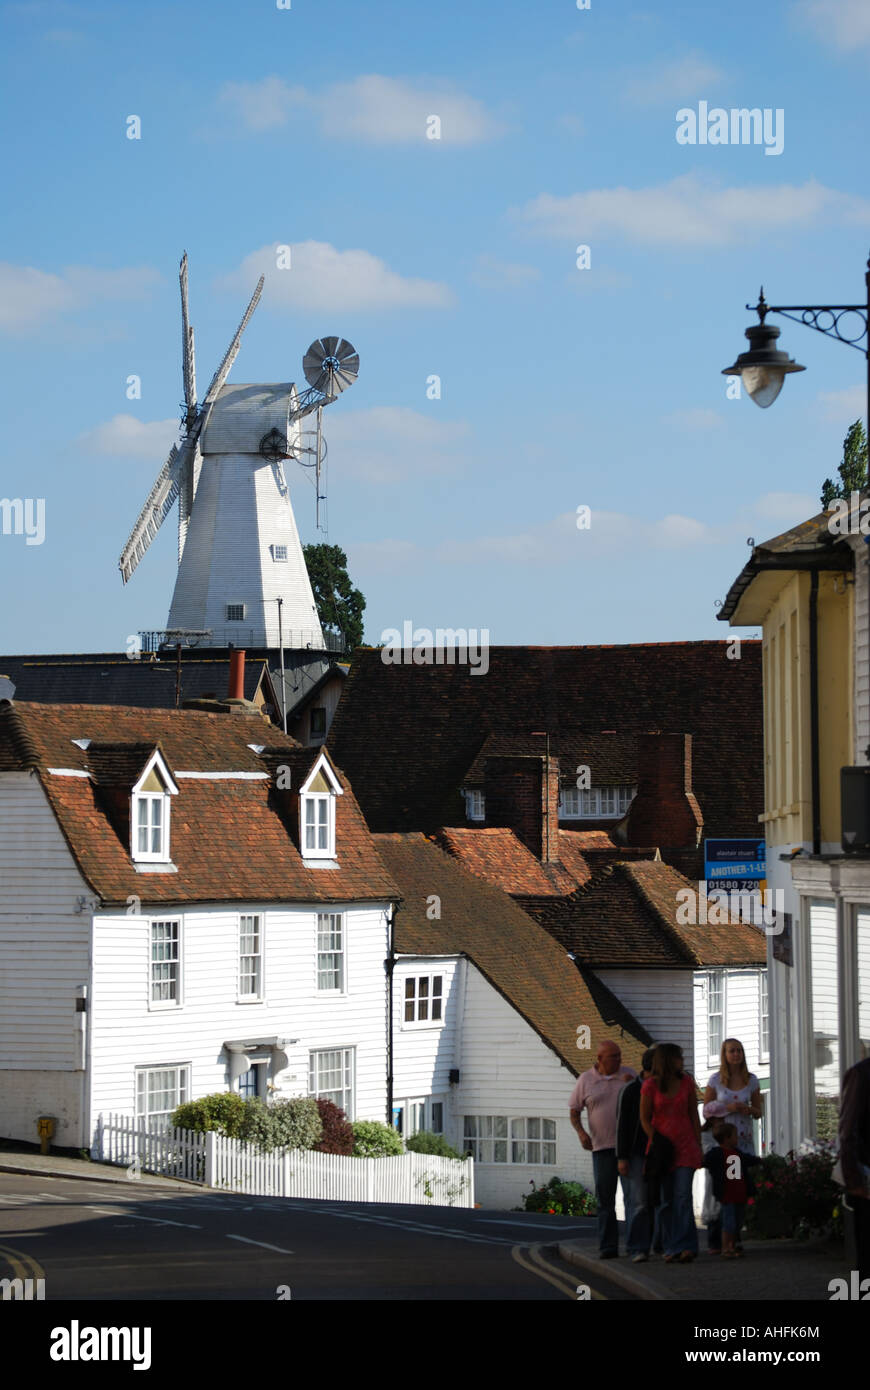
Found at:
(238, 547)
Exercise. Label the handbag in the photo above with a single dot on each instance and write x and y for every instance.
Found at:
(839, 1179)
(711, 1208)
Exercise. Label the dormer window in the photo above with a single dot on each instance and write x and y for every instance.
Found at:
(149, 823)
(317, 811)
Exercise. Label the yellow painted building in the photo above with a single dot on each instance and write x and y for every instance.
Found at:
(807, 591)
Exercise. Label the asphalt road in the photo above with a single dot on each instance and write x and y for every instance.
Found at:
(101, 1241)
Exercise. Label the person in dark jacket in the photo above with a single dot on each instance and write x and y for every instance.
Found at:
(630, 1154)
(729, 1167)
(855, 1158)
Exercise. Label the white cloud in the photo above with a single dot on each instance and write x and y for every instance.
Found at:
(685, 79)
(387, 111)
(849, 404)
(127, 437)
(262, 105)
(559, 544)
(786, 508)
(690, 210)
(492, 274)
(845, 24)
(372, 109)
(322, 277)
(29, 297)
(694, 419)
(389, 444)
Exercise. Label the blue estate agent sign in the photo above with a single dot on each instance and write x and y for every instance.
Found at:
(734, 859)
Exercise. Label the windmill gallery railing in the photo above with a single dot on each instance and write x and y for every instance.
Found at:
(229, 1165)
(240, 636)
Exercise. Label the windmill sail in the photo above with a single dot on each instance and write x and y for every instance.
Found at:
(188, 478)
(179, 476)
(187, 358)
(232, 351)
(153, 514)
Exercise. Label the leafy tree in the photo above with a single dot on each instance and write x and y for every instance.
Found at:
(853, 469)
(340, 606)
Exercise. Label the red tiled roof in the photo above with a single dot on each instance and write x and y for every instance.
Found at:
(496, 855)
(519, 959)
(627, 916)
(232, 839)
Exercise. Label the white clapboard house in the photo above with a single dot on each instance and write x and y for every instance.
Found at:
(189, 902)
(492, 1023)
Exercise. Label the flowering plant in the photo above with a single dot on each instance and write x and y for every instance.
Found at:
(795, 1195)
(557, 1198)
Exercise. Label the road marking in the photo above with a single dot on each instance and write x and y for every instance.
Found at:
(529, 1225)
(52, 1197)
(450, 1233)
(153, 1220)
(535, 1264)
(24, 1266)
(261, 1243)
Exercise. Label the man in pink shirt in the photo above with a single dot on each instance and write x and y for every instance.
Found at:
(597, 1091)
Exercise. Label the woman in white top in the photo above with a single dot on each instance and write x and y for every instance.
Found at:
(734, 1091)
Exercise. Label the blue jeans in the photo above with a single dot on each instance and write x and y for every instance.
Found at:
(732, 1218)
(638, 1228)
(679, 1232)
(606, 1175)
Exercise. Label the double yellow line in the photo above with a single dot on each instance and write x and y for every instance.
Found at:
(531, 1257)
(23, 1266)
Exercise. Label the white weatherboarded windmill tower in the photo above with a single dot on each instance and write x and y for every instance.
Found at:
(238, 547)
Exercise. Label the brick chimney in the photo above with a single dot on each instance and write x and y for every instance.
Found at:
(522, 794)
(664, 811)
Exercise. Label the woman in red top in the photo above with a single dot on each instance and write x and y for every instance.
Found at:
(668, 1105)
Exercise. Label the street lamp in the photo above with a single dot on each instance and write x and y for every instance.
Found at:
(764, 367)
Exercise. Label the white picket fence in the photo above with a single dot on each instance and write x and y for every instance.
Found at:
(232, 1166)
(175, 1153)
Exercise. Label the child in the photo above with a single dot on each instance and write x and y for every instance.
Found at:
(732, 1184)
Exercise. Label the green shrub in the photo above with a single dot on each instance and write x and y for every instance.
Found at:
(292, 1124)
(297, 1123)
(371, 1139)
(223, 1111)
(558, 1198)
(424, 1142)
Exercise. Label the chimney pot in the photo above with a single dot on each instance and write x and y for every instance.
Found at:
(237, 675)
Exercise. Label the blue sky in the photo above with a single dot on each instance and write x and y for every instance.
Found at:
(456, 257)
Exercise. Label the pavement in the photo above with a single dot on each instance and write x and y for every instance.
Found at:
(770, 1269)
(31, 1164)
